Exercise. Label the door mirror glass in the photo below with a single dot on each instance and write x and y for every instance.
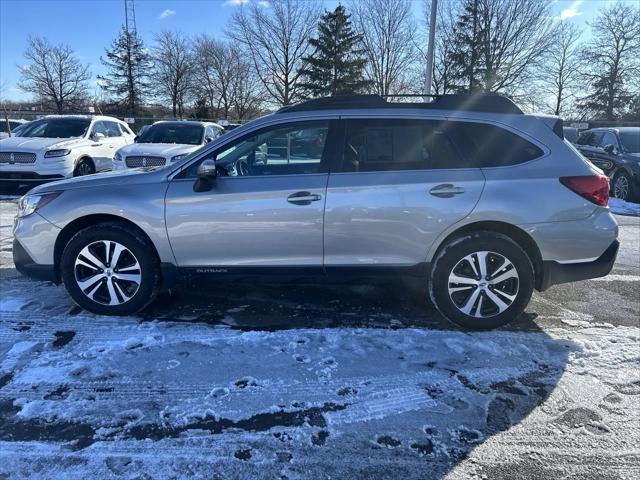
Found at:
(611, 149)
(207, 169)
(207, 172)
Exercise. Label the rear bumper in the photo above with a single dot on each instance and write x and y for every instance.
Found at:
(554, 273)
(28, 267)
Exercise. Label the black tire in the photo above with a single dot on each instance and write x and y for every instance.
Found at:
(449, 257)
(627, 195)
(142, 251)
(84, 167)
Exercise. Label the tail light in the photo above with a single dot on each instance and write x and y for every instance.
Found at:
(594, 188)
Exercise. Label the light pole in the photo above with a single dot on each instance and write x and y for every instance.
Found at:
(430, 46)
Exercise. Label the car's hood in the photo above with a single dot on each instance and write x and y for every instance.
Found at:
(166, 150)
(119, 177)
(36, 144)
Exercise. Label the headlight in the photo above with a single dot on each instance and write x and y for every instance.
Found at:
(117, 157)
(57, 153)
(178, 157)
(30, 203)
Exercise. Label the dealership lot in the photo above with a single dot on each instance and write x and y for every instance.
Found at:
(244, 380)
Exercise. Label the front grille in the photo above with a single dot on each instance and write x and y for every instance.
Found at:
(140, 161)
(17, 157)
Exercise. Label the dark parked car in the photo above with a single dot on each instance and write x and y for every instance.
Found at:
(617, 152)
(570, 134)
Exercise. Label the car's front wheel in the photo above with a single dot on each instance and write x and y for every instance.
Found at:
(110, 270)
(84, 167)
(481, 281)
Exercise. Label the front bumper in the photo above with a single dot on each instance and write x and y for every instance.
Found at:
(28, 177)
(554, 273)
(28, 267)
(43, 170)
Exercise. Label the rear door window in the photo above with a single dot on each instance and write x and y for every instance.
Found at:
(380, 145)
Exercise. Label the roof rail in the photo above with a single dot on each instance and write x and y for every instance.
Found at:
(491, 103)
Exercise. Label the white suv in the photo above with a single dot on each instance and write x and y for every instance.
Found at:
(165, 142)
(62, 146)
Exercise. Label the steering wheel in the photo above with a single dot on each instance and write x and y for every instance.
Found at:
(243, 168)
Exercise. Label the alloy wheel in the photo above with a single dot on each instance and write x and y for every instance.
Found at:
(621, 187)
(84, 169)
(483, 284)
(107, 272)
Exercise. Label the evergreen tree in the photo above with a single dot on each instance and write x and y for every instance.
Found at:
(337, 64)
(129, 65)
(465, 54)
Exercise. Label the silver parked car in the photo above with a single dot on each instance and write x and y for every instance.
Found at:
(479, 200)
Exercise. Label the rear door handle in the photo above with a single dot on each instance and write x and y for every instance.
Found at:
(446, 190)
(303, 198)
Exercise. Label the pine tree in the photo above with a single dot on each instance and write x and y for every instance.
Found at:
(129, 65)
(336, 66)
(465, 55)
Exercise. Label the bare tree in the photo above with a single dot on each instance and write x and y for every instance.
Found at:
(559, 76)
(612, 60)
(388, 28)
(276, 39)
(53, 73)
(247, 94)
(205, 76)
(217, 67)
(173, 69)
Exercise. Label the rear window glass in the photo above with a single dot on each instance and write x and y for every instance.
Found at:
(491, 146)
(389, 144)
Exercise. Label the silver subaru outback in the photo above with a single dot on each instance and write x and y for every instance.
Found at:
(480, 201)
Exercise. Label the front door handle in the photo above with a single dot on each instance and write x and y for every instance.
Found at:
(446, 190)
(303, 198)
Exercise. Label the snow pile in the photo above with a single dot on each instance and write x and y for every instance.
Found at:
(621, 207)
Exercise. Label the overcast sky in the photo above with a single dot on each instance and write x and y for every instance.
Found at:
(90, 26)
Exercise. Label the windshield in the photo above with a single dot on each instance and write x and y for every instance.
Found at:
(630, 141)
(57, 128)
(3, 126)
(181, 133)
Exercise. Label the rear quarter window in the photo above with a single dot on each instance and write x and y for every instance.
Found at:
(487, 145)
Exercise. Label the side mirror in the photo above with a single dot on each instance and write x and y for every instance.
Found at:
(207, 172)
(610, 149)
(208, 139)
(98, 137)
(135, 139)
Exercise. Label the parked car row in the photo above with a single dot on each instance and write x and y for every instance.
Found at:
(63, 146)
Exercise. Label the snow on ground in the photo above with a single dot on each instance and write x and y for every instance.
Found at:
(621, 207)
(319, 382)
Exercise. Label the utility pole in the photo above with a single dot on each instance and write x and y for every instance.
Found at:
(430, 47)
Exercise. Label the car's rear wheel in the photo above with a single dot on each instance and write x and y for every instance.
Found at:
(481, 281)
(622, 187)
(110, 270)
(84, 167)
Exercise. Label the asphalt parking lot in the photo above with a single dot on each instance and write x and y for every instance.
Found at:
(250, 380)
